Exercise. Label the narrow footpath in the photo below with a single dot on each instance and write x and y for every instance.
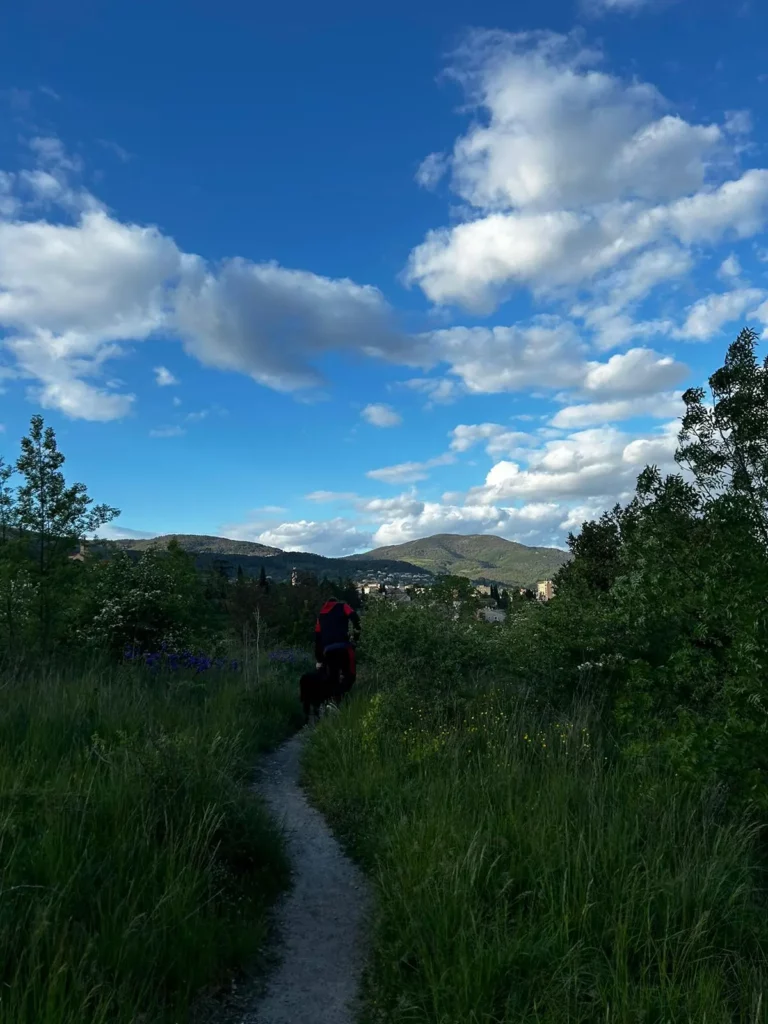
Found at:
(322, 921)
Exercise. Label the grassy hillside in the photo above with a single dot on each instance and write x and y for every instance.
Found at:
(477, 556)
(199, 544)
(278, 564)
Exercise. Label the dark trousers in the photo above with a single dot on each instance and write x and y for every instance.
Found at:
(341, 669)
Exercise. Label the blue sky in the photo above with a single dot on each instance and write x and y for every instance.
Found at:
(331, 280)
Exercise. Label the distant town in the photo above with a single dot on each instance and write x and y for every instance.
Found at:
(403, 586)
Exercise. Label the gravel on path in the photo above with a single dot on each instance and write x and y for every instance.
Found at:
(322, 921)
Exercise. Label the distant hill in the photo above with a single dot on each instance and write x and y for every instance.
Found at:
(278, 564)
(200, 544)
(478, 556)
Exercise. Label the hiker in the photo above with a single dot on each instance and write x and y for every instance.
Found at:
(334, 650)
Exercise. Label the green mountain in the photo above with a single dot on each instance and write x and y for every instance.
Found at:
(250, 557)
(480, 557)
(199, 544)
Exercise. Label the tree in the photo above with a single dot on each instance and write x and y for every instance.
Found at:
(725, 444)
(51, 515)
(7, 504)
(263, 583)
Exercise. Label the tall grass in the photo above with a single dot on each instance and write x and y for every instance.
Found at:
(136, 867)
(523, 874)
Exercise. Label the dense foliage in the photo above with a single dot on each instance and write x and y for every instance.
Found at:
(563, 814)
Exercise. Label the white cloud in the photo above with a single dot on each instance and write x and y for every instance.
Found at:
(50, 151)
(331, 496)
(69, 295)
(615, 6)
(334, 537)
(730, 268)
(72, 293)
(380, 415)
(431, 170)
(738, 122)
(595, 413)
(526, 524)
(402, 505)
(164, 377)
(491, 360)
(272, 323)
(640, 371)
(498, 439)
(410, 472)
(173, 431)
(439, 390)
(709, 315)
(571, 174)
(600, 462)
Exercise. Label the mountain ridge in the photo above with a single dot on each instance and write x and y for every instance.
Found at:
(480, 557)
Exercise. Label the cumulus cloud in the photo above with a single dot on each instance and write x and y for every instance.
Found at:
(498, 440)
(730, 268)
(570, 174)
(709, 315)
(594, 413)
(491, 360)
(71, 294)
(552, 486)
(380, 415)
(75, 294)
(640, 371)
(439, 390)
(597, 462)
(528, 523)
(164, 378)
(334, 537)
(75, 290)
(272, 323)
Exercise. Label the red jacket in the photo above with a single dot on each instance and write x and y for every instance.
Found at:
(332, 627)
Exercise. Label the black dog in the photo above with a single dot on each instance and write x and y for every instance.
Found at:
(316, 688)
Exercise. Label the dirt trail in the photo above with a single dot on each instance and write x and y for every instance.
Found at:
(322, 921)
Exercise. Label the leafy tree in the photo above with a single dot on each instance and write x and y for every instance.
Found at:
(48, 517)
(724, 444)
(446, 589)
(52, 514)
(159, 598)
(8, 519)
